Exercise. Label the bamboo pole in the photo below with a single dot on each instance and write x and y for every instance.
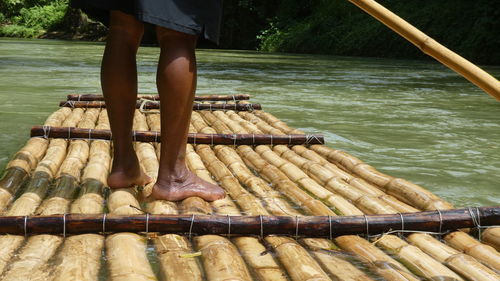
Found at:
(156, 105)
(403, 190)
(375, 258)
(332, 261)
(154, 136)
(32, 261)
(254, 224)
(461, 263)
(79, 258)
(38, 186)
(93, 97)
(484, 253)
(25, 160)
(173, 250)
(491, 236)
(417, 261)
(126, 251)
(432, 48)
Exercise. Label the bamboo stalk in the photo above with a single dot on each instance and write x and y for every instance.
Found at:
(375, 258)
(332, 261)
(432, 48)
(293, 256)
(417, 261)
(340, 205)
(276, 123)
(79, 258)
(93, 97)
(356, 182)
(32, 262)
(403, 190)
(484, 253)
(126, 251)
(309, 226)
(156, 105)
(26, 159)
(491, 236)
(154, 136)
(461, 263)
(262, 265)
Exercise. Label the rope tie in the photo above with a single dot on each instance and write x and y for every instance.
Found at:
(310, 138)
(402, 223)
(234, 98)
(191, 227)
(147, 224)
(210, 107)
(271, 140)
(440, 221)
(261, 228)
(296, 227)
(64, 225)
(253, 139)
(90, 134)
(476, 221)
(79, 97)
(228, 226)
(134, 133)
(212, 139)
(69, 133)
(330, 222)
(234, 139)
(46, 131)
(367, 229)
(104, 224)
(194, 139)
(249, 107)
(289, 139)
(156, 136)
(25, 226)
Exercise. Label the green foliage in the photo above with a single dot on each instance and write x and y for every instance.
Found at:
(31, 18)
(338, 27)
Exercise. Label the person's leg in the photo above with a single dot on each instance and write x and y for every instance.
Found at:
(176, 82)
(119, 87)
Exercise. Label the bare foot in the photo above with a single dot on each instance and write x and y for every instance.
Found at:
(187, 186)
(127, 174)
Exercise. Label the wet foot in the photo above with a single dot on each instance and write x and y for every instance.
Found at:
(128, 175)
(187, 186)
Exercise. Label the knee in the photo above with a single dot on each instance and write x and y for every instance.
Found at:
(170, 38)
(125, 27)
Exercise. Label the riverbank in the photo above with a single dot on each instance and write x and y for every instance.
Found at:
(318, 27)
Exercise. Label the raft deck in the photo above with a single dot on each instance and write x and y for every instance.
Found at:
(67, 175)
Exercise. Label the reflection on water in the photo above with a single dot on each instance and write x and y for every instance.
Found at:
(411, 119)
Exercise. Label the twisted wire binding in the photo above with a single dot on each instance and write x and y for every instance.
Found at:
(367, 230)
(191, 227)
(46, 131)
(440, 221)
(296, 227)
(310, 138)
(261, 228)
(25, 226)
(64, 225)
(104, 224)
(476, 221)
(330, 222)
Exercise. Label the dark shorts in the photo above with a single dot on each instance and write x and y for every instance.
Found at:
(196, 17)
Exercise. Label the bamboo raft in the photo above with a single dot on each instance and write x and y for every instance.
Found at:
(295, 208)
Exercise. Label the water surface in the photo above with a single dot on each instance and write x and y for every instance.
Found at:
(411, 119)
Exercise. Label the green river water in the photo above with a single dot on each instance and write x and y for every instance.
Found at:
(411, 119)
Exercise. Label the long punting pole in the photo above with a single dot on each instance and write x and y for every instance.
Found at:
(309, 226)
(153, 136)
(156, 105)
(432, 48)
(92, 97)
